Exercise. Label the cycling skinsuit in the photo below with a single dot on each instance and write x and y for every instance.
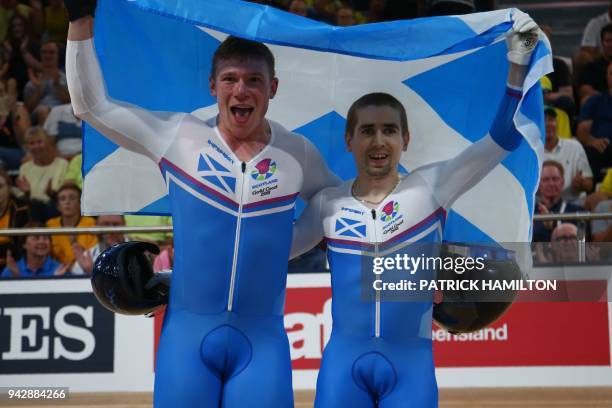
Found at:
(380, 353)
(223, 341)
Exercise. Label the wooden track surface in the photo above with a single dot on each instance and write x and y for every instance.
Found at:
(449, 398)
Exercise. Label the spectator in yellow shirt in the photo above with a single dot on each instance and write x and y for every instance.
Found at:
(69, 206)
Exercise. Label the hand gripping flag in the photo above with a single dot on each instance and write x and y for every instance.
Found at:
(449, 72)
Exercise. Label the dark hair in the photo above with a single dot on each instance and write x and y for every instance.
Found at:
(375, 99)
(242, 49)
(605, 29)
(68, 185)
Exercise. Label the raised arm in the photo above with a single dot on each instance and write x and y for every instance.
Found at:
(129, 126)
(451, 178)
(308, 229)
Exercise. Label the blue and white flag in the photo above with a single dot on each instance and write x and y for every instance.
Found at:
(449, 72)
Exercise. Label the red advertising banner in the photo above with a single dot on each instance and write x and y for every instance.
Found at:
(530, 334)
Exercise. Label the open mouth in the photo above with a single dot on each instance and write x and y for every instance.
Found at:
(378, 158)
(241, 114)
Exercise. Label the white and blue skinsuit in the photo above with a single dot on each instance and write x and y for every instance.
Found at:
(223, 341)
(380, 353)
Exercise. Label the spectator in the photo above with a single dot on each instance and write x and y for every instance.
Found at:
(157, 238)
(450, 7)
(85, 258)
(550, 200)
(36, 261)
(69, 205)
(13, 214)
(561, 92)
(56, 22)
(595, 128)
(43, 175)
(298, 7)
(593, 79)
(564, 243)
(591, 39)
(74, 172)
(32, 14)
(376, 12)
(65, 128)
(570, 153)
(601, 230)
(22, 52)
(14, 120)
(564, 127)
(323, 10)
(47, 88)
(165, 259)
(604, 192)
(345, 16)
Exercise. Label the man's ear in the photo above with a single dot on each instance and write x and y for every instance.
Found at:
(406, 138)
(212, 85)
(348, 139)
(273, 87)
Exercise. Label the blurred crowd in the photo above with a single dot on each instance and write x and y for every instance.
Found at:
(40, 138)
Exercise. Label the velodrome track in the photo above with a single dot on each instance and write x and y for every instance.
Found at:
(449, 398)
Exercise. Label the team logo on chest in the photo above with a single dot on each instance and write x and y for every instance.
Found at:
(389, 211)
(391, 217)
(264, 170)
(263, 174)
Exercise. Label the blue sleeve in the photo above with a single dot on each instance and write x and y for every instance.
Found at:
(503, 131)
(6, 273)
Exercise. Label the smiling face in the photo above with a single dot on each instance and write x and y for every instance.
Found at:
(37, 245)
(243, 88)
(377, 141)
(551, 183)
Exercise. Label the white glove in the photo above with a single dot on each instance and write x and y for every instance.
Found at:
(522, 39)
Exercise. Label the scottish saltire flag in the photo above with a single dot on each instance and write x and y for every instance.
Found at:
(449, 72)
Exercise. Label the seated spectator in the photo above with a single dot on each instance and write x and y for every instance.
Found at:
(376, 12)
(69, 205)
(323, 10)
(165, 260)
(564, 243)
(31, 13)
(157, 238)
(75, 172)
(85, 258)
(550, 200)
(592, 80)
(14, 121)
(604, 192)
(601, 230)
(450, 7)
(570, 153)
(345, 16)
(561, 92)
(22, 53)
(65, 128)
(47, 88)
(298, 7)
(36, 261)
(43, 175)
(13, 214)
(564, 127)
(56, 22)
(590, 45)
(595, 128)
